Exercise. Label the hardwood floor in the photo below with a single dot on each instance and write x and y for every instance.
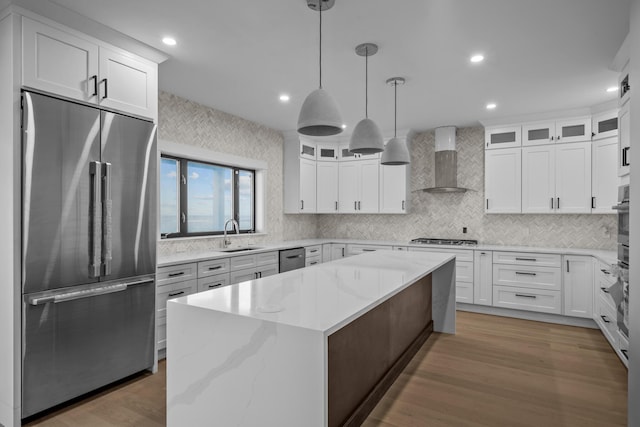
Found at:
(494, 372)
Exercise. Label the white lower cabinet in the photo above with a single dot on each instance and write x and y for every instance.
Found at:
(578, 286)
(482, 278)
(527, 299)
(338, 250)
(172, 282)
(212, 282)
(464, 271)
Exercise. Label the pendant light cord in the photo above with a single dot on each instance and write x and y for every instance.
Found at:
(320, 49)
(366, 82)
(395, 107)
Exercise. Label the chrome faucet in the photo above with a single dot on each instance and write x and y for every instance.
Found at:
(226, 242)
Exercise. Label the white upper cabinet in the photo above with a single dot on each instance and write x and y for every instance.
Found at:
(369, 186)
(327, 186)
(503, 137)
(307, 150)
(578, 286)
(327, 152)
(345, 155)
(624, 119)
(393, 189)
(348, 187)
(503, 174)
(307, 186)
(127, 83)
(358, 190)
(604, 175)
(573, 178)
(538, 179)
(573, 130)
(604, 125)
(539, 133)
(58, 62)
(64, 63)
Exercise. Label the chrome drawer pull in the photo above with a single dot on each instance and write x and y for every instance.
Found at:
(522, 273)
(625, 353)
(526, 259)
(605, 271)
(605, 290)
(526, 296)
(215, 286)
(215, 268)
(175, 294)
(176, 274)
(604, 319)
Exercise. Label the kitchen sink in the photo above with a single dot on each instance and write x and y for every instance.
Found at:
(239, 249)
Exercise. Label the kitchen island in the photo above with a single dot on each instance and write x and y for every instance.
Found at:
(315, 347)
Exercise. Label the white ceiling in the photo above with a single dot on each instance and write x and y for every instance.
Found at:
(238, 56)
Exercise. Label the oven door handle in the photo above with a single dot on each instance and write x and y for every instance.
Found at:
(623, 207)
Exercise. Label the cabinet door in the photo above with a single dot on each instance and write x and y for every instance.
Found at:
(58, 62)
(327, 187)
(307, 150)
(128, 84)
(393, 189)
(604, 175)
(605, 125)
(573, 178)
(578, 286)
(573, 130)
(338, 251)
(242, 275)
(345, 155)
(369, 190)
(506, 137)
(482, 278)
(539, 133)
(307, 186)
(503, 190)
(348, 187)
(327, 152)
(538, 179)
(268, 270)
(624, 119)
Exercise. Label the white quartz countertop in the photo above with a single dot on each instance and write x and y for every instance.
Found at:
(323, 297)
(609, 257)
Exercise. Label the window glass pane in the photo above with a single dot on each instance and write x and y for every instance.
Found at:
(210, 197)
(169, 196)
(245, 199)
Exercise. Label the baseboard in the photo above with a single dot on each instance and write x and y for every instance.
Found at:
(528, 315)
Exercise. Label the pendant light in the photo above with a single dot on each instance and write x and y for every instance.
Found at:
(366, 137)
(396, 152)
(319, 115)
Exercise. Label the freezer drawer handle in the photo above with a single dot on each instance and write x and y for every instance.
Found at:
(74, 295)
(96, 220)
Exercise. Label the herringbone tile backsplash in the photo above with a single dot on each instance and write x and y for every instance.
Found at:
(430, 215)
(444, 215)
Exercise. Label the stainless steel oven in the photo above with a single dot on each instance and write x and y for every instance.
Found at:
(623, 214)
(622, 270)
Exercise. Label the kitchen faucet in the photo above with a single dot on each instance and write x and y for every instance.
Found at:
(226, 242)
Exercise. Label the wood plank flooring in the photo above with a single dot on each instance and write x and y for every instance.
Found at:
(494, 372)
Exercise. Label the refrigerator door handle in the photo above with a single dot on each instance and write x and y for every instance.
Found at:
(95, 245)
(75, 295)
(106, 220)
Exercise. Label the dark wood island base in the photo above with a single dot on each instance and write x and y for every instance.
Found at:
(367, 355)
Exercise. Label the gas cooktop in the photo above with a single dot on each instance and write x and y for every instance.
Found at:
(453, 242)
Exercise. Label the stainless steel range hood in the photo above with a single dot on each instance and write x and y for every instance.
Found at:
(446, 162)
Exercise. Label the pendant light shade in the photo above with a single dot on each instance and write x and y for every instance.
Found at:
(396, 153)
(319, 115)
(366, 137)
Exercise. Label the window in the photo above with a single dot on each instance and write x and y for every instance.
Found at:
(197, 198)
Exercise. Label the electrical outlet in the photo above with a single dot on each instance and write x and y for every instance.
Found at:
(464, 230)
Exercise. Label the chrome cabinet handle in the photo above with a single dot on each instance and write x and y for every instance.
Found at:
(95, 84)
(605, 290)
(604, 319)
(95, 170)
(526, 259)
(522, 273)
(526, 296)
(107, 229)
(180, 273)
(106, 93)
(217, 267)
(175, 294)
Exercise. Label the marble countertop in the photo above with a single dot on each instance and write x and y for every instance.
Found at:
(609, 257)
(323, 297)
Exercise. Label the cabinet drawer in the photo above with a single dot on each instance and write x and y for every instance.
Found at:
(461, 255)
(175, 290)
(602, 292)
(360, 249)
(464, 271)
(543, 301)
(527, 277)
(267, 258)
(238, 276)
(527, 258)
(464, 292)
(623, 346)
(211, 282)
(311, 251)
(176, 273)
(268, 270)
(606, 318)
(240, 262)
(213, 267)
(314, 260)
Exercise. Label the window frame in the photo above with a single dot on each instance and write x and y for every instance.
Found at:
(183, 196)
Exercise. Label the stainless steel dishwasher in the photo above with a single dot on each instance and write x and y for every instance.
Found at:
(291, 259)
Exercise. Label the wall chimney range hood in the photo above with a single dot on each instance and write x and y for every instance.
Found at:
(446, 162)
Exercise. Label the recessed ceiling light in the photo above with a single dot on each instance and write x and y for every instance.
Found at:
(477, 58)
(169, 41)
(344, 126)
(284, 98)
(491, 106)
(612, 89)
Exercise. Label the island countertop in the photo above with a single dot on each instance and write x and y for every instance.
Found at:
(326, 296)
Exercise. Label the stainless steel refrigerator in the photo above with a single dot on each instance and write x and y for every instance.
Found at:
(88, 249)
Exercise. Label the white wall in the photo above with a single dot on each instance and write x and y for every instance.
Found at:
(9, 227)
(634, 292)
